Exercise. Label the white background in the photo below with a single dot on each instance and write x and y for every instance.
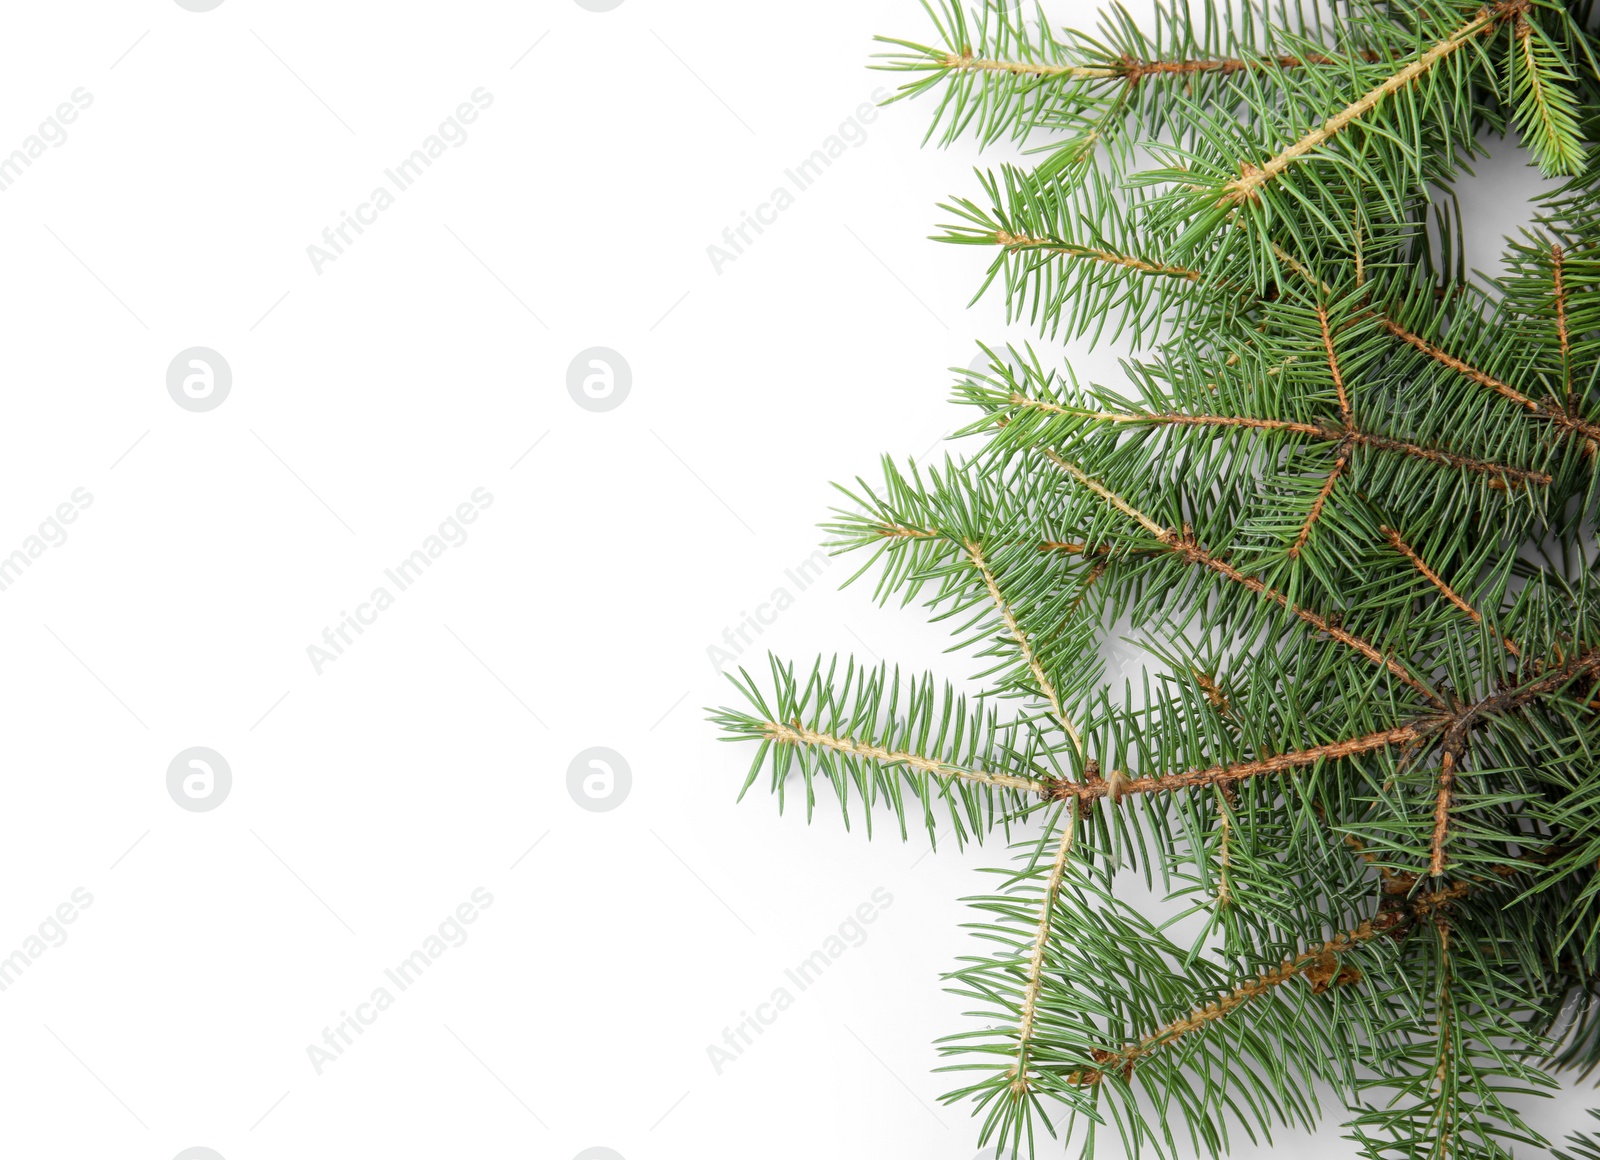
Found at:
(368, 401)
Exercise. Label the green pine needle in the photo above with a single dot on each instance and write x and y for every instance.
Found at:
(1342, 506)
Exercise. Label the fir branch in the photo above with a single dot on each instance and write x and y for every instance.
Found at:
(797, 734)
(1343, 456)
(882, 741)
(1187, 549)
(1252, 177)
(1017, 243)
(1333, 364)
(1547, 110)
(1178, 419)
(1069, 254)
(1582, 664)
(1133, 71)
(1015, 630)
(901, 532)
(1224, 863)
(1445, 590)
(1441, 809)
(1557, 263)
(1573, 423)
(967, 62)
(1323, 957)
(1110, 497)
(1322, 498)
(1328, 383)
(1508, 475)
(1117, 785)
(1041, 939)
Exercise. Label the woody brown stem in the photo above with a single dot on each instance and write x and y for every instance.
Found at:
(1247, 185)
(1221, 775)
(797, 734)
(1185, 547)
(1020, 636)
(1035, 974)
(1324, 957)
(1556, 415)
(1557, 260)
(1096, 570)
(1064, 547)
(1508, 476)
(1454, 745)
(1177, 419)
(1316, 506)
(1019, 242)
(1319, 964)
(1213, 691)
(1333, 364)
(1290, 261)
(1444, 358)
(967, 62)
(1109, 496)
(1444, 1002)
(1445, 590)
(1441, 811)
(1511, 476)
(1457, 725)
(1133, 70)
(1584, 664)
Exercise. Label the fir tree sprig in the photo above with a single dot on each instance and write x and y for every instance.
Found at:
(1346, 508)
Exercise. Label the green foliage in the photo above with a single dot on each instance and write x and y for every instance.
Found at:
(1585, 1145)
(889, 720)
(1344, 503)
